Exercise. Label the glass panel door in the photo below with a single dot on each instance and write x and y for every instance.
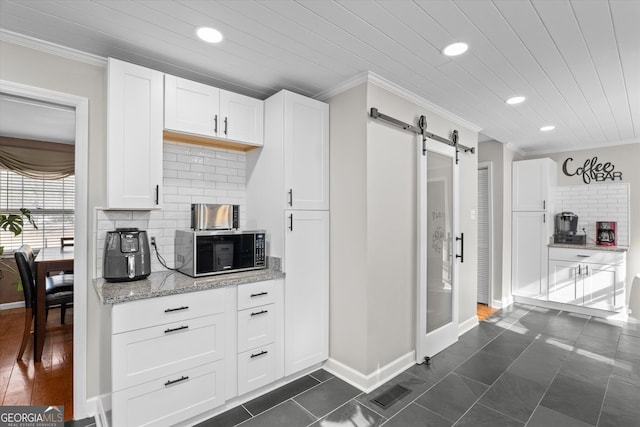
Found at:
(437, 285)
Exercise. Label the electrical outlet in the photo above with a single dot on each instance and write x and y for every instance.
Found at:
(153, 241)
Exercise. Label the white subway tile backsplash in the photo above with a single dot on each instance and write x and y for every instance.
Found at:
(597, 202)
(191, 174)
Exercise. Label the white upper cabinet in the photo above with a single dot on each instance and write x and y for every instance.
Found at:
(190, 106)
(533, 181)
(134, 136)
(198, 109)
(306, 152)
(242, 118)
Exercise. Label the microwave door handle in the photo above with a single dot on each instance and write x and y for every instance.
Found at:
(131, 266)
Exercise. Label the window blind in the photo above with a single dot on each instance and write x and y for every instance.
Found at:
(51, 203)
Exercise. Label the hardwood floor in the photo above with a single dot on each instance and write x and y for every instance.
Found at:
(47, 383)
(485, 311)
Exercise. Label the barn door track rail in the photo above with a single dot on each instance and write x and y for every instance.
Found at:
(421, 129)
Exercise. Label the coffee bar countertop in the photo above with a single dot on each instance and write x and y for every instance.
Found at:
(589, 247)
(165, 283)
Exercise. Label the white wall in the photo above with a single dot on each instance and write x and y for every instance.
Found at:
(374, 226)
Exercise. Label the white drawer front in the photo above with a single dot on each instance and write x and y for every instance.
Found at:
(173, 308)
(255, 294)
(157, 403)
(149, 353)
(256, 327)
(584, 255)
(256, 368)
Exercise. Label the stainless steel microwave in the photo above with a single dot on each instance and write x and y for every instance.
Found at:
(205, 253)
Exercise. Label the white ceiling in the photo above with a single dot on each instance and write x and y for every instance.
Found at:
(577, 62)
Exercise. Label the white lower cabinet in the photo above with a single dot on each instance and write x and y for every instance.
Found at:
(170, 399)
(589, 278)
(169, 365)
(180, 356)
(256, 368)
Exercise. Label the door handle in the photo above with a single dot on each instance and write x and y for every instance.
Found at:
(226, 125)
(215, 124)
(157, 194)
(291, 197)
(291, 222)
(461, 239)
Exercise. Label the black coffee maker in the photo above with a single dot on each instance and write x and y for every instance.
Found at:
(566, 229)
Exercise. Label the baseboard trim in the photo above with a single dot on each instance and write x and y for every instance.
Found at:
(96, 408)
(11, 305)
(505, 302)
(368, 383)
(468, 324)
(587, 311)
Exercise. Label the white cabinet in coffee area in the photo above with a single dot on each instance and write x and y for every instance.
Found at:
(199, 109)
(587, 277)
(532, 225)
(134, 136)
(167, 358)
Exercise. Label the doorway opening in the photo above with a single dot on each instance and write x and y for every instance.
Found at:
(484, 216)
(64, 348)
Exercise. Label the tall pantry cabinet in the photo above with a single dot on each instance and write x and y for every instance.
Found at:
(532, 225)
(288, 196)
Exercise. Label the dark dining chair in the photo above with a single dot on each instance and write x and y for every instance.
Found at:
(66, 241)
(62, 296)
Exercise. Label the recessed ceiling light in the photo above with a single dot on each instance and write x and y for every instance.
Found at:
(455, 49)
(547, 128)
(515, 100)
(209, 35)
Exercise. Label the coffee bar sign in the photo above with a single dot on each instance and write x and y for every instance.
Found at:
(591, 170)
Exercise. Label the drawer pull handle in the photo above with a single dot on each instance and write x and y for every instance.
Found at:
(259, 294)
(260, 312)
(182, 378)
(583, 256)
(259, 354)
(179, 328)
(184, 307)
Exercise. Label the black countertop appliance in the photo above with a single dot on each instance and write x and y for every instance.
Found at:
(566, 229)
(126, 255)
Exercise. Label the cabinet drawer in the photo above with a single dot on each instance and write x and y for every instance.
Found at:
(586, 255)
(171, 398)
(255, 294)
(142, 355)
(256, 327)
(173, 308)
(256, 368)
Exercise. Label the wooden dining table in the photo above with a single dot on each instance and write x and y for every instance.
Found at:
(53, 259)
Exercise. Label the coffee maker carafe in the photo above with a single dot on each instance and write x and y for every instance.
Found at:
(606, 233)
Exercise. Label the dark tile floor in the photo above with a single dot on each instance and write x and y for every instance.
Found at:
(522, 366)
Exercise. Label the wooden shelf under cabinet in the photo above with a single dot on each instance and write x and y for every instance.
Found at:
(188, 138)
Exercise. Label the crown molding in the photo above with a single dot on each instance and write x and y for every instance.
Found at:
(371, 77)
(51, 48)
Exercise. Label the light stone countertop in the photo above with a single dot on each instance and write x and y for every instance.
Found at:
(589, 247)
(172, 282)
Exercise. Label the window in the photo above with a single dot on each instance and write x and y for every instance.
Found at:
(51, 203)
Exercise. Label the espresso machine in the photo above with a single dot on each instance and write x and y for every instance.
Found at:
(566, 230)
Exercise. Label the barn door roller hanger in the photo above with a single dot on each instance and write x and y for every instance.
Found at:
(421, 129)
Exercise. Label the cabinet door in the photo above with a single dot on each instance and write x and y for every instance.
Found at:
(529, 255)
(306, 153)
(256, 368)
(242, 118)
(565, 285)
(601, 287)
(306, 318)
(171, 399)
(530, 185)
(191, 107)
(134, 136)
